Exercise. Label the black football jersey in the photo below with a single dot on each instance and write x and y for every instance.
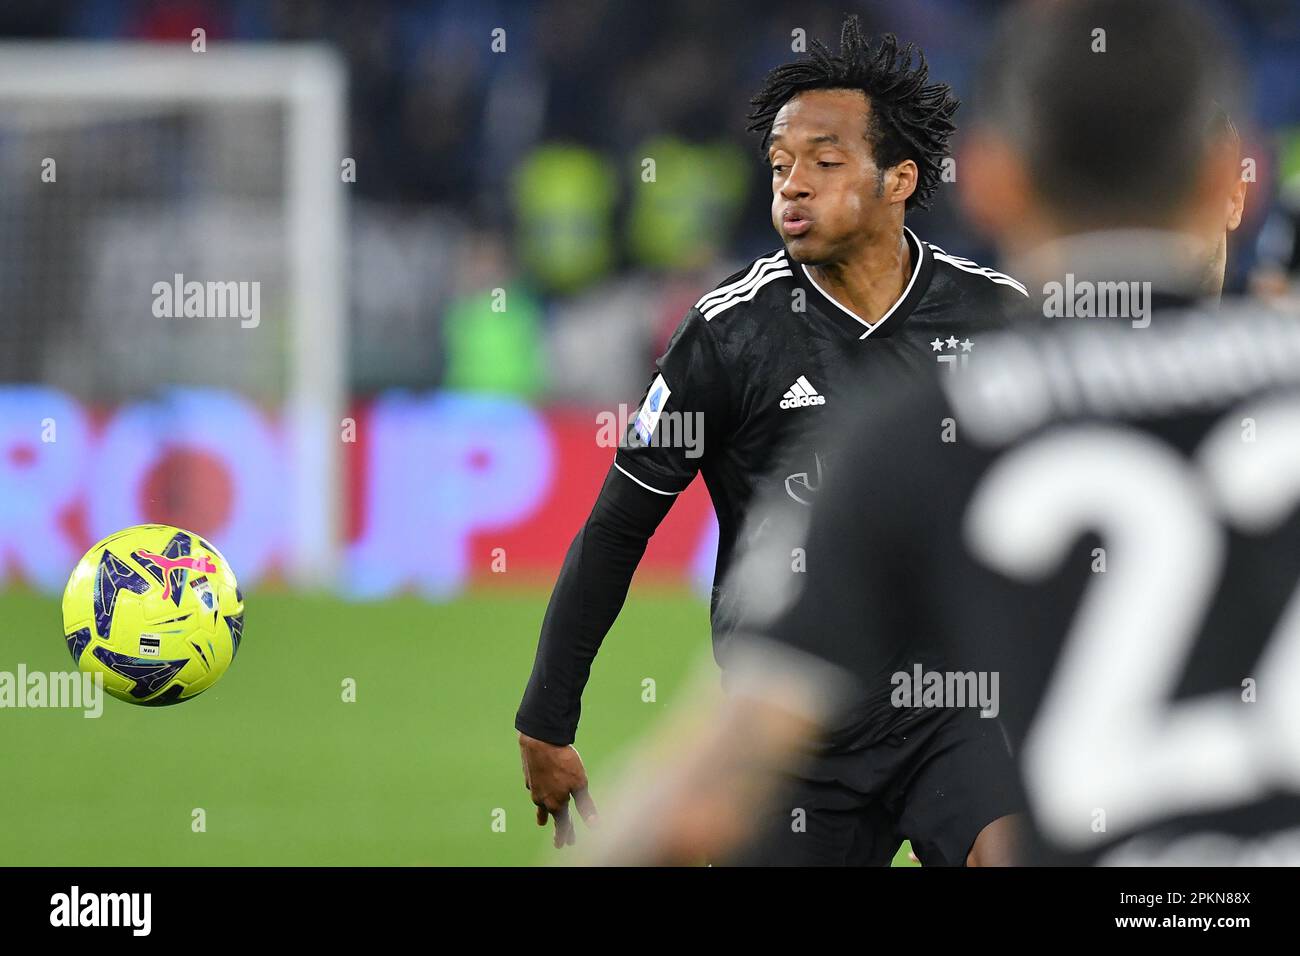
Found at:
(1101, 523)
(764, 360)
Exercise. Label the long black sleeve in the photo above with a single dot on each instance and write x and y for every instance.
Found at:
(588, 595)
(654, 463)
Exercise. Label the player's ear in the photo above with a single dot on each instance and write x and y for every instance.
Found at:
(901, 180)
(1237, 203)
(993, 184)
(1220, 186)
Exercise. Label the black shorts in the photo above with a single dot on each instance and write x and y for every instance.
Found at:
(937, 782)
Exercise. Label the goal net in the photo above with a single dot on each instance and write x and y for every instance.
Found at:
(171, 302)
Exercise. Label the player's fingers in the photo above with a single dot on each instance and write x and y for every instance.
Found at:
(586, 807)
(563, 827)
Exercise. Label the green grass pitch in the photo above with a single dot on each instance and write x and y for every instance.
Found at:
(287, 773)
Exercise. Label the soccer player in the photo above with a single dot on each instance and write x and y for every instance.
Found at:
(1113, 531)
(854, 139)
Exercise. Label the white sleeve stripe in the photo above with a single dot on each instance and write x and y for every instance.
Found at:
(967, 265)
(723, 291)
(951, 256)
(711, 300)
(670, 494)
(990, 274)
(714, 311)
(1010, 282)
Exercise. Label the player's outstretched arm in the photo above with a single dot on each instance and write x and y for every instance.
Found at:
(588, 596)
(652, 466)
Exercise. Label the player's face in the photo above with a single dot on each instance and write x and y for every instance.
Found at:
(829, 199)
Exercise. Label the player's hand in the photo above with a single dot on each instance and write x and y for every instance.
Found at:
(553, 774)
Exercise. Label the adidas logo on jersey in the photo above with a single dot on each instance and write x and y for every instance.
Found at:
(801, 395)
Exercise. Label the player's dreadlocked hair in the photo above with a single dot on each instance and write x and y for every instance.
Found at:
(909, 117)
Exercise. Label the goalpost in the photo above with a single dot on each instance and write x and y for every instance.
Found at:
(228, 160)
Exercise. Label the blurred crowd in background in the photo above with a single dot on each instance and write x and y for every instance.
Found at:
(525, 168)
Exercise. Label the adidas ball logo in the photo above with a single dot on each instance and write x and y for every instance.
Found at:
(801, 394)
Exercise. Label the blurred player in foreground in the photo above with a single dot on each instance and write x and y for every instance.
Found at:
(1095, 518)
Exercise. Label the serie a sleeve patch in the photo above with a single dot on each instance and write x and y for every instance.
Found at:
(647, 419)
